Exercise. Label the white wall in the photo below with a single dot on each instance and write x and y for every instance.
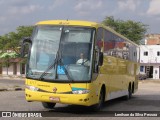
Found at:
(18, 69)
(152, 59)
(10, 70)
(138, 54)
(152, 54)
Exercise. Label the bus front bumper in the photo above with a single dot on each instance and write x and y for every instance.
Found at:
(76, 99)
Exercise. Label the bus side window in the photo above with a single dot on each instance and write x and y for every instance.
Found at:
(99, 38)
(98, 48)
(108, 43)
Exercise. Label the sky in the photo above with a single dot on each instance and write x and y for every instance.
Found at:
(14, 13)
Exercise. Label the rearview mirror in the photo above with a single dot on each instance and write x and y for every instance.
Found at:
(100, 63)
(98, 59)
(25, 46)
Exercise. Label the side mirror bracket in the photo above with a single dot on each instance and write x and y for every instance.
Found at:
(26, 41)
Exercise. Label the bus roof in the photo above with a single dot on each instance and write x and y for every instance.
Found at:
(68, 22)
(81, 23)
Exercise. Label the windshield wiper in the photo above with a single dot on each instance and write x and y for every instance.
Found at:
(49, 68)
(55, 64)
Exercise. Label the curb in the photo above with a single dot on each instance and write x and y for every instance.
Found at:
(12, 77)
(12, 89)
(15, 89)
(3, 89)
(149, 81)
(3, 78)
(19, 89)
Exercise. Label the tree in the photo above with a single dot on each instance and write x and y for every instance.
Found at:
(11, 41)
(135, 31)
(10, 44)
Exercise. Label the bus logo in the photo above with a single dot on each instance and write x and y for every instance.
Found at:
(54, 89)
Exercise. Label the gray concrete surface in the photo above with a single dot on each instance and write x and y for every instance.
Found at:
(11, 84)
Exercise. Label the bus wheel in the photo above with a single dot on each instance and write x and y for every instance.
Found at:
(129, 95)
(48, 105)
(98, 106)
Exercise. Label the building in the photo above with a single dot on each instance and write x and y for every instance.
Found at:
(152, 39)
(150, 60)
(16, 67)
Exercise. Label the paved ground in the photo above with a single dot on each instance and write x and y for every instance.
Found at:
(146, 99)
(11, 84)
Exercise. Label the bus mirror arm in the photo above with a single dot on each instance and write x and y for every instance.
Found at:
(100, 63)
(25, 41)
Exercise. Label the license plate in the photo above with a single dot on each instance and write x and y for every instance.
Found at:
(57, 99)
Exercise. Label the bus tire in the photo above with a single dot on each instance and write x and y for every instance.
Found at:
(132, 87)
(129, 95)
(100, 103)
(48, 105)
(130, 92)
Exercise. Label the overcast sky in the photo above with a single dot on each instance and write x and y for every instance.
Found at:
(14, 13)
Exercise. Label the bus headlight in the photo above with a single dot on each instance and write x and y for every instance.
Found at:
(32, 88)
(80, 91)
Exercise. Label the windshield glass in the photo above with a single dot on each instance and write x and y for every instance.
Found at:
(66, 51)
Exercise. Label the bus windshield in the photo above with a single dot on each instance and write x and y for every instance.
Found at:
(61, 51)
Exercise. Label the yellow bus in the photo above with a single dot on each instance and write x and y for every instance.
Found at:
(79, 62)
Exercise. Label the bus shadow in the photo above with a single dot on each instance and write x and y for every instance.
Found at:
(137, 103)
(74, 109)
(83, 110)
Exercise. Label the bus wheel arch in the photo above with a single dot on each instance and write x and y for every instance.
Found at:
(101, 99)
(48, 105)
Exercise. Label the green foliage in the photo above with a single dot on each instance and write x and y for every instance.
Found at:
(10, 44)
(135, 31)
(11, 41)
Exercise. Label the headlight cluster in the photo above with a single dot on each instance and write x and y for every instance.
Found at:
(32, 88)
(80, 91)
